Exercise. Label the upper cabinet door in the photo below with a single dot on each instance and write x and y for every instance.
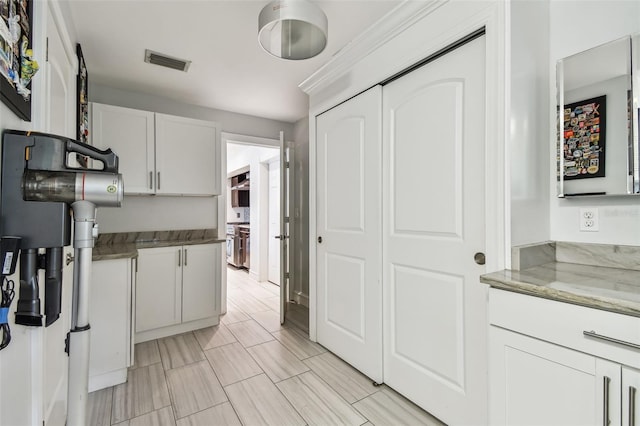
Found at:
(187, 156)
(130, 134)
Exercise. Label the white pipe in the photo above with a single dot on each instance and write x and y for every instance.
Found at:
(84, 216)
(78, 393)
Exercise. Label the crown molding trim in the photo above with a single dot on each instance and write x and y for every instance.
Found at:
(389, 26)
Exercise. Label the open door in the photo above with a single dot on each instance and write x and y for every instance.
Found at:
(285, 275)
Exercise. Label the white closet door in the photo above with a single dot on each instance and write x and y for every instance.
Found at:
(349, 293)
(59, 72)
(434, 207)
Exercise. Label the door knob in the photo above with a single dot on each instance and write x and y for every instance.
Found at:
(479, 258)
(319, 240)
(69, 259)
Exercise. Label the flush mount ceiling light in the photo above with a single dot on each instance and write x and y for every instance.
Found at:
(292, 29)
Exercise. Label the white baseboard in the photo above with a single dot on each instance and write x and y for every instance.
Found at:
(301, 299)
(157, 333)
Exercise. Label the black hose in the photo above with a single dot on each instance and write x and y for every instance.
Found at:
(28, 308)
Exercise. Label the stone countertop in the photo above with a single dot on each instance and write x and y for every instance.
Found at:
(125, 245)
(610, 289)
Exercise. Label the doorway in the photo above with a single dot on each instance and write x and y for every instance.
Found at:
(257, 163)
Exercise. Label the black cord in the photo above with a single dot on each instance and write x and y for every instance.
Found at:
(7, 291)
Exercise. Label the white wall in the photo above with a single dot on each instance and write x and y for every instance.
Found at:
(148, 213)
(576, 26)
(529, 121)
(154, 213)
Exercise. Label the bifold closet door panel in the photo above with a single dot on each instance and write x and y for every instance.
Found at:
(434, 208)
(349, 292)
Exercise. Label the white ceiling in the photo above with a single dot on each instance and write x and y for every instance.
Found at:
(230, 71)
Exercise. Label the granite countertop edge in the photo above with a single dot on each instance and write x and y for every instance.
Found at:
(129, 250)
(558, 281)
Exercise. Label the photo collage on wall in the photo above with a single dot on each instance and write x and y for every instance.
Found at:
(83, 98)
(16, 64)
(584, 138)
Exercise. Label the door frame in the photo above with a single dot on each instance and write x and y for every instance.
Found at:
(412, 32)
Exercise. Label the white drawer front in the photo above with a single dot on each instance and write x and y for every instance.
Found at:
(565, 324)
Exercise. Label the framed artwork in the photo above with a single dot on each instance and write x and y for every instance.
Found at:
(17, 66)
(584, 138)
(82, 108)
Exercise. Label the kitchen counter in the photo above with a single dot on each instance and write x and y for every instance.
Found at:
(611, 289)
(126, 244)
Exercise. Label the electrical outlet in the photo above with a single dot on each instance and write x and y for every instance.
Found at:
(589, 220)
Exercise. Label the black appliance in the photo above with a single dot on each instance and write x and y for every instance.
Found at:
(240, 190)
(37, 189)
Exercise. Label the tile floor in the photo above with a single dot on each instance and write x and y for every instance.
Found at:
(249, 370)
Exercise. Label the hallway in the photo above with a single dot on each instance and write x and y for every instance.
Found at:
(249, 370)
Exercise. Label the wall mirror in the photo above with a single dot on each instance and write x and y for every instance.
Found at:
(598, 120)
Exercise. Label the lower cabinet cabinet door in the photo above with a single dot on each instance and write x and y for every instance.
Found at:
(158, 288)
(200, 272)
(533, 382)
(110, 319)
(630, 396)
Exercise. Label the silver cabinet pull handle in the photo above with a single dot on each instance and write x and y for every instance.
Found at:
(179, 257)
(632, 406)
(185, 257)
(595, 335)
(605, 392)
(150, 180)
(158, 180)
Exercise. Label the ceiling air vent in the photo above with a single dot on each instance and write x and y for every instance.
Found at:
(166, 61)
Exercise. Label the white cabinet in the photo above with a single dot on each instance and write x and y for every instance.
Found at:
(111, 353)
(159, 289)
(200, 272)
(187, 156)
(160, 154)
(630, 396)
(130, 134)
(178, 289)
(536, 382)
(559, 375)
